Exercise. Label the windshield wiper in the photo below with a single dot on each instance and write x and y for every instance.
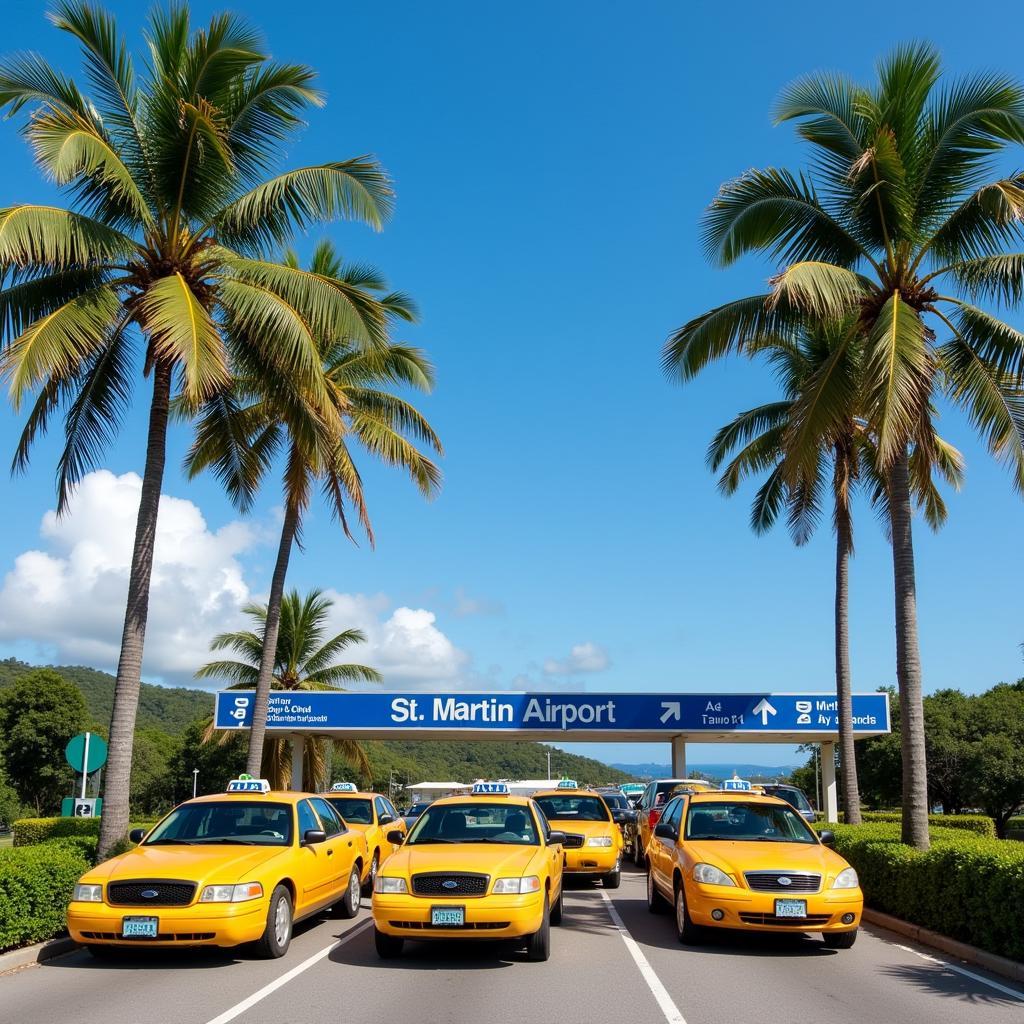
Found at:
(424, 842)
(231, 842)
(169, 842)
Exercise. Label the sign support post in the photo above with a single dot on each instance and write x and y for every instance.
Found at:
(829, 791)
(85, 762)
(298, 749)
(679, 757)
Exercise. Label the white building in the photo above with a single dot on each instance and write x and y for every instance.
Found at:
(436, 790)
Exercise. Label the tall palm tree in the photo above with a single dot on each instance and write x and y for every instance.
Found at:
(901, 228)
(303, 660)
(757, 442)
(154, 271)
(240, 432)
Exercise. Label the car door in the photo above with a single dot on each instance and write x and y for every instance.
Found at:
(662, 849)
(385, 811)
(312, 870)
(340, 852)
(553, 852)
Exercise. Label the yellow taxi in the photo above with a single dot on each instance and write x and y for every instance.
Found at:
(483, 866)
(222, 870)
(593, 841)
(375, 817)
(733, 859)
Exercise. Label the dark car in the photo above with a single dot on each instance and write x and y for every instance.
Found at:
(415, 811)
(624, 815)
(793, 795)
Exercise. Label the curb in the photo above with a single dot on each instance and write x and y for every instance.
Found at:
(36, 954)
(1001, 965)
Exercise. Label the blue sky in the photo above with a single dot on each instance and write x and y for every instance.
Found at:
(552, 163)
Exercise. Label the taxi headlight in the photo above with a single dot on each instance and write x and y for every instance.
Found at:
(516, 886)
(708, 874)
(88, 893)
(846, 879)
(600, 841)
(385, 884)
(231, 893)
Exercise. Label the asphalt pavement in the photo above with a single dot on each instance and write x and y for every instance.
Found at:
(612, 962)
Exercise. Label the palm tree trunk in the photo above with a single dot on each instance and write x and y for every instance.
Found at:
(844, 686)
(258, 731)
(908, 660)
(114, 821)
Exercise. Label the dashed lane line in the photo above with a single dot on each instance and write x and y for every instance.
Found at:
(961, 970)
(660, 993)
(250, 1001)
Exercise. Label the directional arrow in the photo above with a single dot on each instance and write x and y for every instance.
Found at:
(673, 709)
(764, 709)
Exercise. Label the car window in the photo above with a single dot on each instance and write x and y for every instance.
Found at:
(671, 814)
(307, 819)
(573, 808)
(356, 810)
(747, 821)
(378, 803)
(231, 822)
(329, 817)
(545, 828)
(390, 808)
(475, 822)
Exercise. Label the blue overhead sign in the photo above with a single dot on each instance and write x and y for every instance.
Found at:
(654, 713)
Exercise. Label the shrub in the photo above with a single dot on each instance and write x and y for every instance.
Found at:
(29, 831)
(36, 883)
(967, 886)
(980, 824)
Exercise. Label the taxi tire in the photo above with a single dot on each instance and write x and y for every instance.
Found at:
(556, 911)
(374, 868)
(638, 852)
(388, 946)
(840, 940)
(348, 906)
(655, 901)
(613, 879)
(688, 932)
(538, 945)
(268, 946)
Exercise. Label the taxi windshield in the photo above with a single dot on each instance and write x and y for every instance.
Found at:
(573, 808)
(744, 821)
(232, 822)
(477, 822)
(356, 810)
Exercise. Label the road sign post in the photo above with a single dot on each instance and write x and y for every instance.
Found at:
(86, 753)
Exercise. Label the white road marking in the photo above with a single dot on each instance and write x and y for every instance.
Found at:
(961, 970)
(250, 1001)
(668, 1008)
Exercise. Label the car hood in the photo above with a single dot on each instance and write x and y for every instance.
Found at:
(496, 860)
(222, 864)
(737, 857)
(582, 828)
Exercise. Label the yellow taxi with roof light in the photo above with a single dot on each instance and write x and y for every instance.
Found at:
(483, 866)
(373, 815)
(737, 859)
(222, 870)
(593, 840)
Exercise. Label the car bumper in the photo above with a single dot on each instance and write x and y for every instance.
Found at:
(214, 924)
(755, 911)
(594, 860)
(490, 917)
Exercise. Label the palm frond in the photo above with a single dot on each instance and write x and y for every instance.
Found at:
(822, 290)
(47, 236)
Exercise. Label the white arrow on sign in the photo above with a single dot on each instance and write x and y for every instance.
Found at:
(764, 709)
(673, 709)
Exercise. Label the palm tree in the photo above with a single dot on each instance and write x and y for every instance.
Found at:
(756, 442)
(240, 433)
(900, 202)
(303, 660)
(154, 268)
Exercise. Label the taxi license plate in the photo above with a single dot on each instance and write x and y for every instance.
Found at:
(791, 908)
(447, 917)
(139, 927)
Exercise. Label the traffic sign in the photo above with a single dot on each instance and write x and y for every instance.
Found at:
(81, 760)
(646, 715)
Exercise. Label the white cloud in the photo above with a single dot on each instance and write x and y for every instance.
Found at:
(587, 657)
(67, 599)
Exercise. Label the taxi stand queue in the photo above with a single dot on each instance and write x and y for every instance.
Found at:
(244, 866)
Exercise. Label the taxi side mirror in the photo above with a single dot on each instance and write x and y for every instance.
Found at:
(396, 837)
(386, 819)
(827, 837)
(663, 830)
(556, 838)
(136, 835)
(312, 836)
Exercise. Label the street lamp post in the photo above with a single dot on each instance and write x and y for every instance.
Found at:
(195, 781)
(549, 765)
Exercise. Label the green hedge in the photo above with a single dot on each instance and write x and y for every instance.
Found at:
(967, 886)
(29, 831)
(35, 886)
(980, 824)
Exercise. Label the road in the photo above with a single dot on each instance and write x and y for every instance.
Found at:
(612, 962)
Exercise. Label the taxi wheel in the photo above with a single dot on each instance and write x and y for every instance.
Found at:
(655, 901)
(372, 876)
(538, 947)
(687, 931)
(388, 946)
(840, 940)
(638, 851)
(348, 905)
(277, 936)
(613, 879)
(556, 911)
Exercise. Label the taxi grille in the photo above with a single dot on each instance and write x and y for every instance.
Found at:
(810, 921)
(436, 883)
(162, 937)
(768, 881)
(168, 893)
(572, 841)
(470, 926)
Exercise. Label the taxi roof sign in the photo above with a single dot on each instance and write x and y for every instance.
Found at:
(344, 787)
(740, 785)
(567, 784)
(490, 789)
(247, 784)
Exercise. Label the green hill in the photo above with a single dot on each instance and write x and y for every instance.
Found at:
(171, 710)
